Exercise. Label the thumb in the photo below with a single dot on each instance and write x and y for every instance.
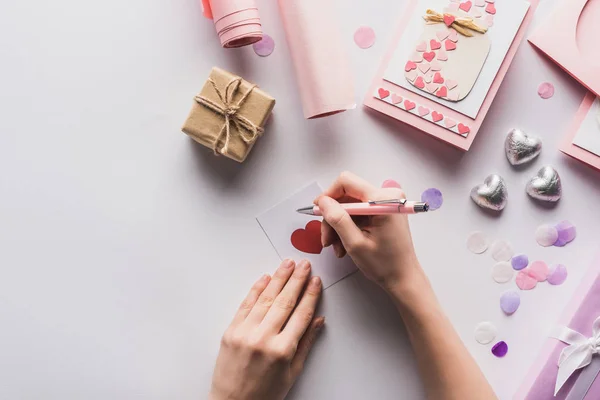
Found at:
(339, 219)
(306, 343)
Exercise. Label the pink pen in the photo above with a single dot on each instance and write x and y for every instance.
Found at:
(380, 207)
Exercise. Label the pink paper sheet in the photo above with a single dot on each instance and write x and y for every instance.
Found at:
(322, 66)
(570, 38)
(572, 150)
(237, 22)
(579, 315)
(436, 130)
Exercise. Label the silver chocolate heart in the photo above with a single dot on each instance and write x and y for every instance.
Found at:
(521, 147)
(492, 194)
(546, 185)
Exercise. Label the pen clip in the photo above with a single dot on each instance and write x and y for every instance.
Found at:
(400, 202)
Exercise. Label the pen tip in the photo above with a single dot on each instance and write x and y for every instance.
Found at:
(306, 210)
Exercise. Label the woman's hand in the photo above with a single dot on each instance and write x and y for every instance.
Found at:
(264, 349)
(381, 246)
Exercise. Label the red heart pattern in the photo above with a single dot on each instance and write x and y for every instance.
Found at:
(409, 105)
(462, 129)
(434, 44)
(490, 8)
(308, 240)
(438, 78)
(410, 66)
(443, 92)
(466, 6)
(436, 116)
(450, 45)
(449, 19)
(419, 82)
(429, 56)
(383, 93)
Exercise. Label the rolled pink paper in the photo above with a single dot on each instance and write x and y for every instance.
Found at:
(237, 22)
(319, 56)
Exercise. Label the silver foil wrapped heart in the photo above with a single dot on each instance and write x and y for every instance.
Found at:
(492, 194)
(546, 185)
(521, 148)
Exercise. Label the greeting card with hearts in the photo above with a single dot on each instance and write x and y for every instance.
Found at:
(298, 236)
(469, 63)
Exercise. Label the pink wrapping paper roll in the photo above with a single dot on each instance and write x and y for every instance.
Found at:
(321, 64)
(237, 22)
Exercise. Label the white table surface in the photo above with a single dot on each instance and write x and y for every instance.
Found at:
(126, 247)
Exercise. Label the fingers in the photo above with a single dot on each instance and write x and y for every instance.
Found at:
(285, 302)
(348, 184)
(328, 235)
(250, 300)
(303, 314)
(306, 344)
(267, 297)
(340, 221)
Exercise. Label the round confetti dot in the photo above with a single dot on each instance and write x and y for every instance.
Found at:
(502, 272)
(558, 274)
(546, 90)
(500, 349)
(510, 302)
(477, 242)
(519, 262)
(364, 37)
(566, 233)
(524, 281)
(539, 271)
(485, 332)
(265, 46)
(390, 183)
(501, 250)
(433, 197)
(546, 235)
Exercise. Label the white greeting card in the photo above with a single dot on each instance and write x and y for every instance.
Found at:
(456, 71)
(588, 136)
(298, 236)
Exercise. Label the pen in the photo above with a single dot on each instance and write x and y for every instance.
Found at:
(379, 207)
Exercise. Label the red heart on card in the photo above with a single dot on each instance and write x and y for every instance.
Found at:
(308, 240)
(420, 83)
(450, 45)
(491, 8)
(383, 93)
(443, 92)
(436, 116)
(434, 44)
(410, 66)
(429, 56)
(409, 105)
(466, 6)
(449, 19)
(437, 78)
(462, 129)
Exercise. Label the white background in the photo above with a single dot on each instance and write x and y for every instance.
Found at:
(126, 247)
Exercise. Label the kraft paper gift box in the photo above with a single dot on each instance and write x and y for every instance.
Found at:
(228, 115)
(579, 325)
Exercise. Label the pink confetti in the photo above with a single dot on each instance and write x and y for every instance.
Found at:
(558, 274)
(524, 281)
(538, 270)
(546, 90)
(265, 46)
(364, 37)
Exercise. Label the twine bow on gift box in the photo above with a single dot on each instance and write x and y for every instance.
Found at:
(229, 111)
(577, 355)
(462, 25)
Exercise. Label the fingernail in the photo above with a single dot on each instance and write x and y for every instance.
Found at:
(265, 277)
(338, 252)
(304, 264)
(315, 282)
(287, 263)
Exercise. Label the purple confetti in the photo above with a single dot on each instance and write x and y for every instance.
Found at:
(519, 262)
(500, 349)
(433, 197)
(265, 46)
(558, 274)
(510, 301)
(566, 233)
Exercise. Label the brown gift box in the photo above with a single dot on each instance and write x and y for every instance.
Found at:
(228, 115)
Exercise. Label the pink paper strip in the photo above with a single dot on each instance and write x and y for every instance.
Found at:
(568, 147)
(317, 50)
